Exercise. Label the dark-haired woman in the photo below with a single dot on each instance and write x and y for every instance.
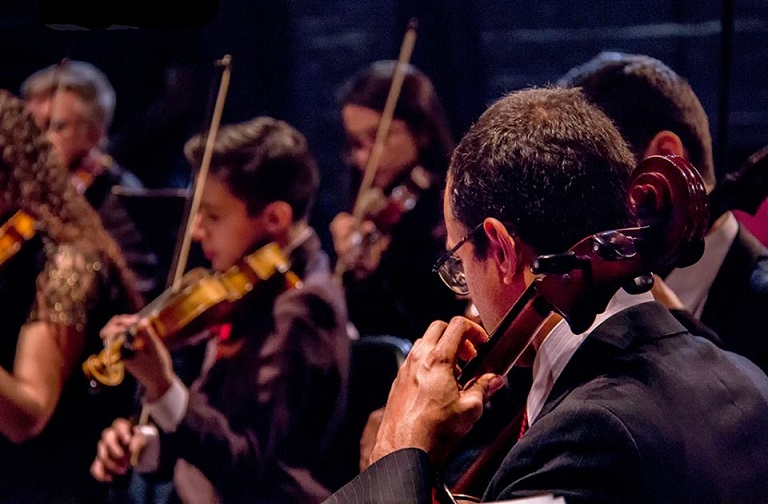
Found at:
(386, 263)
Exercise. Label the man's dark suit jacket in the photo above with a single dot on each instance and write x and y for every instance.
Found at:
(643, 412)
(737, 304)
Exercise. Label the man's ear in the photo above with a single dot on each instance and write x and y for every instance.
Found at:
(502, 249)
(665, 143)
(278, 217)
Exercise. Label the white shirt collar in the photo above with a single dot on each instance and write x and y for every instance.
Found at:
(692, 284)
(560, 345)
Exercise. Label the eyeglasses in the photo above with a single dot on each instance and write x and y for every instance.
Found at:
(449, 266)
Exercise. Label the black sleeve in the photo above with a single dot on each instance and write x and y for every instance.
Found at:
(401, 476)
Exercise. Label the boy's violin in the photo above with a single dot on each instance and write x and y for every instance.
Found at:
(203, 299)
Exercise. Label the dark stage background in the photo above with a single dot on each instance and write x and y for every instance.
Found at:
(289, 57)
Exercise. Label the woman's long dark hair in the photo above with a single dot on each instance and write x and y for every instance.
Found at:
(417, 105)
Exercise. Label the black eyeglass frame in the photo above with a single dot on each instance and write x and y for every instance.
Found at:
(437, 267)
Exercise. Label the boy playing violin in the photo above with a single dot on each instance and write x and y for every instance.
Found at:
(253, 426)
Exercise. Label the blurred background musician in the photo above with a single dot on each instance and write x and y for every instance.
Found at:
(74, 103)
(255, 425)
(389, 286)
(658, 112)
(57, 292)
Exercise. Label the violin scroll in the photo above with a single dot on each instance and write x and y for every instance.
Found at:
(669, 198)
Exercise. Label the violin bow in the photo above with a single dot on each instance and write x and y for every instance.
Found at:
(183, 244)
(406, 50)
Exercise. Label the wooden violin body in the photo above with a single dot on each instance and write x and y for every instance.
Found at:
(386, 211)
(203, 299)
(668, 197)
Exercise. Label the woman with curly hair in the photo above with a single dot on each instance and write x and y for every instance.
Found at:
(56, 293)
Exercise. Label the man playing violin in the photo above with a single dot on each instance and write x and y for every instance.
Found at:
(255, 425)
(634, 409)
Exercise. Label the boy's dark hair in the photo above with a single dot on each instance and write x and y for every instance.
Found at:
(261, 161)
(548, 164)
(643, 96)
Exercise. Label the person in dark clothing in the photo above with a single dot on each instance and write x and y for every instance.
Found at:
(633, 410)
(385, 262)
(258, 422)
(658, 112)
(74, 103)
(57, 291)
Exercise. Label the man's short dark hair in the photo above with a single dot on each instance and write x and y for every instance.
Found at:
(261, 161)
(643, 96)
(548, 164)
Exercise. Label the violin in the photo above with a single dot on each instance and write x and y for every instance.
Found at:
(203, 299)
(17, 230)
(668, 197)
(385, 211)
(90, 167)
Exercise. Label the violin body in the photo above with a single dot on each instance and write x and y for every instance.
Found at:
(401, 199)
(384, 211)
(203, 299)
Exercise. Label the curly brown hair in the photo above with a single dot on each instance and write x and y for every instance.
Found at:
(32, 181)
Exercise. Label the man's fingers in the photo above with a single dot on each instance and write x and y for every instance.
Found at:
(123, 430)
(434, 332)
(481, 389)
(113, 445)
(459, 340)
